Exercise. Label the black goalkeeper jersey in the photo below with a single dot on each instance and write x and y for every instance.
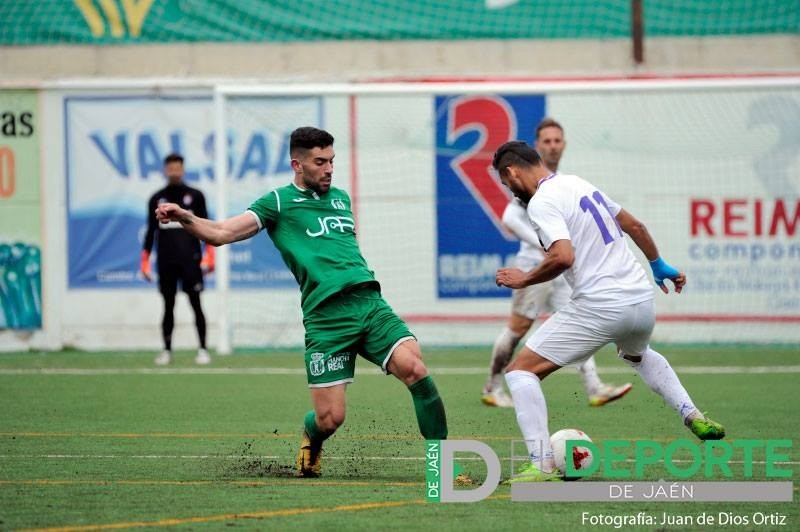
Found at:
(174, 243)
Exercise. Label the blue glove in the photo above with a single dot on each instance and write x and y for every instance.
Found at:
(661, 271)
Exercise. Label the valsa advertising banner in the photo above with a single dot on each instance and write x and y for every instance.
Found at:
(115, 148)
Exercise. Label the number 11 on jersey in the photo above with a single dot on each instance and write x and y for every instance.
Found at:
(587, 204)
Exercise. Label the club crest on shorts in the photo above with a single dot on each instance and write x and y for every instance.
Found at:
(317, 364)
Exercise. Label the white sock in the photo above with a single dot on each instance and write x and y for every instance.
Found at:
(503, 349)
(531, 409)
(588, 371)
(656, 372)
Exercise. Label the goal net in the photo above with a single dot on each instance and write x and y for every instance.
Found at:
(711, 167)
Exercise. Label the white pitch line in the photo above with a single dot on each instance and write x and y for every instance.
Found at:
(152, 371)
(275, 457)
(697, 370)
(138, 456)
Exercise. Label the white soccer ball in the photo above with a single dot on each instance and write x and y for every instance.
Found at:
(581, 456)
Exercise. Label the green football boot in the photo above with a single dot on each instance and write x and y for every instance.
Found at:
(705, 428)
(530, 473)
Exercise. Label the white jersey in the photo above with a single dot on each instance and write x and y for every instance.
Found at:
(605, 271)
(516, 219)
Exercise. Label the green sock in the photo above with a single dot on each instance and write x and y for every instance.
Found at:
(429, 408)
(313, 431)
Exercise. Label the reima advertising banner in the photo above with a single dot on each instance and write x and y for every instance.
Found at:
(743, 244)
(470, 199)
(20, 212)
(115, 148)
(714, 174)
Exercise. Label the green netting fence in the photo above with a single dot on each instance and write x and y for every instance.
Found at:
(28, 22)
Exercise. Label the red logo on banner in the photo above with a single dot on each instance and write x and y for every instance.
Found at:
(744, 217)
(496, 124)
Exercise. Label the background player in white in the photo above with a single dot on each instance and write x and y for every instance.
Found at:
(583, 230)
(529, 302)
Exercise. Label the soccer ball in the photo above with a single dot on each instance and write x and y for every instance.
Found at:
(581, 456)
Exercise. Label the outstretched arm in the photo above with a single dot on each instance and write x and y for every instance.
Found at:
(641, 237)
(216, 233)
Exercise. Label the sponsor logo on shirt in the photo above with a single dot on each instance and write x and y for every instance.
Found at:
(339, 224)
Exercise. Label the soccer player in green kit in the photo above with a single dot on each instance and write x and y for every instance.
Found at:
(311, 224)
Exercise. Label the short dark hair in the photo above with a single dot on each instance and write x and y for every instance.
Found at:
(548, 122)
(307, 138)
(515, 153)
(173, 158)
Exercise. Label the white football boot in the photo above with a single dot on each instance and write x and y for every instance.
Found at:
(497, 397)
(202, 357)
(164, 359)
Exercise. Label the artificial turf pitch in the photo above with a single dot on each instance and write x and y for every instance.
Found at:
(101, 441)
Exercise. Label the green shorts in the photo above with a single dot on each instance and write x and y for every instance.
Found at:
(347, 324)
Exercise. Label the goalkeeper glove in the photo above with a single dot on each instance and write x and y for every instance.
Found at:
(661, 271)
(144, 266)
(207, 262)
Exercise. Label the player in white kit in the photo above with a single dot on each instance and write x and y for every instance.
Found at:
(583, 232)
(531, 302)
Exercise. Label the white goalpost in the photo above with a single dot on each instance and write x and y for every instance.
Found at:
(224, 346)
(709, 164)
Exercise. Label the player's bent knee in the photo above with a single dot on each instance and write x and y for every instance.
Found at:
(418, 371)
(513, 365)
(410, 372)
(529, 361)
(406, 363)
(524, 361)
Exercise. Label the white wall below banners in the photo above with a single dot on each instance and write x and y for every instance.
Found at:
(351, 60)
(655, 152)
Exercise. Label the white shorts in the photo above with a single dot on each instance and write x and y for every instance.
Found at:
(577, 331)
(543, 298)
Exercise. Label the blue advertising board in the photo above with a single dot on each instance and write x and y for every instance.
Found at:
(471, 240)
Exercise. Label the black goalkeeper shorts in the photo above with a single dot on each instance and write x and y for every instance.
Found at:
(189, 274)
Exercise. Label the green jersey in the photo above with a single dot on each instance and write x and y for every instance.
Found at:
(316, 237)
